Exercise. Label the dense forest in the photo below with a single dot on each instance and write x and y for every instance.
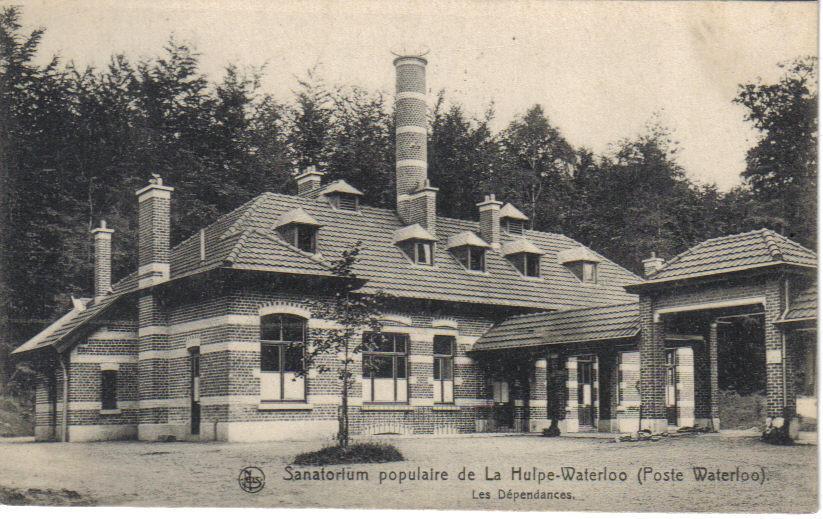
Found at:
(76, 143)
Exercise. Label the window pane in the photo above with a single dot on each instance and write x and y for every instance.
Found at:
(269, 357)
(476, 255)
(401, 367)
(444, 345)
(447, 371)
(377, 366)
(532, 265)
(378, 341)
(588, 272)
(424, 253)
(271, 328)
(293, 328)
(401, 343)
(109, 389)
(305, 238)
(462, 255)
(437, 363)
(293, 360)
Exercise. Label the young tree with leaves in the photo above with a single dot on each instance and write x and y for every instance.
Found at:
(352, 313)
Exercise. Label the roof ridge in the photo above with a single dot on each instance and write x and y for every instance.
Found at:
(231, 257)
(246, 209)
(774, 250)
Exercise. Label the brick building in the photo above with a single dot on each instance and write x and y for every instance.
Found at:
(496, 327)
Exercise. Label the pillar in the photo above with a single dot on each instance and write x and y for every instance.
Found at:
(652, 368)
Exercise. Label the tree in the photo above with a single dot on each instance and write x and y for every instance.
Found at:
(353, 313)
(311, 118)
(781, 169)
(541, 161)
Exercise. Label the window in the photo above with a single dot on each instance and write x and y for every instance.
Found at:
(418, 251)
(384, 367)
(628, 375)
(586, 271)
(304, 237)
(108, 396)
(282, 339)
(472, 258)
(528, 264)
(513, 226)
(345, 202)
(444, 347)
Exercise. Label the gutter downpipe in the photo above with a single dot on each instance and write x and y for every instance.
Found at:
(783, 344)
(65, 424)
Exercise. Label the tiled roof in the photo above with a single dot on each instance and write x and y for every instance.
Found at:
(566, 327)
(245, 239)
(386, 268)
(803, 306)
(78, 317)
(735, 252)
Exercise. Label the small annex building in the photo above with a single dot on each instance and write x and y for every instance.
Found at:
(496, 327)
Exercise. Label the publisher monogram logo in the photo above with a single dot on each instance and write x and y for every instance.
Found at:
(251, 480)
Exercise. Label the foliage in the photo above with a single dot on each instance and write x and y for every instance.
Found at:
(352, 313)
(357, 453)
(781, 169)
(76, 144)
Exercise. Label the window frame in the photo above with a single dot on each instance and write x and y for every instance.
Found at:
(281, 346)
(338, 198)
(520, 226)
(394, 355)
(439, 360)
(411, 249)
(520, 261)
(108, 391)
(295, 231)
(465, 254)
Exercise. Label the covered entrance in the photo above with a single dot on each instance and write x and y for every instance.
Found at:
(735, 295)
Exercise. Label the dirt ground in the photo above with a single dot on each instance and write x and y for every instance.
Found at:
(206, 474)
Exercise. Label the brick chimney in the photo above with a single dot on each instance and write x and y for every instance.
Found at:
(489, 210)
(154, 222)
(102, 260)
(652, 265)
(416, 199)
(308, 179)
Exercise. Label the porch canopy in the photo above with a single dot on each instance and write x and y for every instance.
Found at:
(582, 325)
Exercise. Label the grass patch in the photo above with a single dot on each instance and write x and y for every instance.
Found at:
(16, 419)
(356, 453)
(741, 411)
(43, 497)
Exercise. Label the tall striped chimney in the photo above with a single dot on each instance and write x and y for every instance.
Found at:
(416, 199)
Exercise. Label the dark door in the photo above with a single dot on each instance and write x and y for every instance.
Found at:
(503, 405)
(671, 387)
(194, 362)
(585, 394)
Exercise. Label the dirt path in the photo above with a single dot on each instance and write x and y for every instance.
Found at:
(188, 474)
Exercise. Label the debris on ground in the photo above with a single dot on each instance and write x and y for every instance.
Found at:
(647, 435)
(43, 497)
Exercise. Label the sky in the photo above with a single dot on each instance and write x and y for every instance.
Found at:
(600, 69)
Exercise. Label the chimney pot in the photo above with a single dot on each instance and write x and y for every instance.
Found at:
(153, 234)
(489, 210)
(102, 260)
(308, 180)
(652, 264)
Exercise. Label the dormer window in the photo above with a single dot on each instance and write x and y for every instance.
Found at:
(581, 262)
(304, 237)
(472, 258)
(420, 252)
(470, 250)
(586, 271)
(345, 202)
(512, 220)
(342, 196)
(512, 226)
(416, 243)
(299, 229)
(524, 255)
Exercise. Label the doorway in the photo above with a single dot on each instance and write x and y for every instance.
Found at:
(585, 390)
(194, 364)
